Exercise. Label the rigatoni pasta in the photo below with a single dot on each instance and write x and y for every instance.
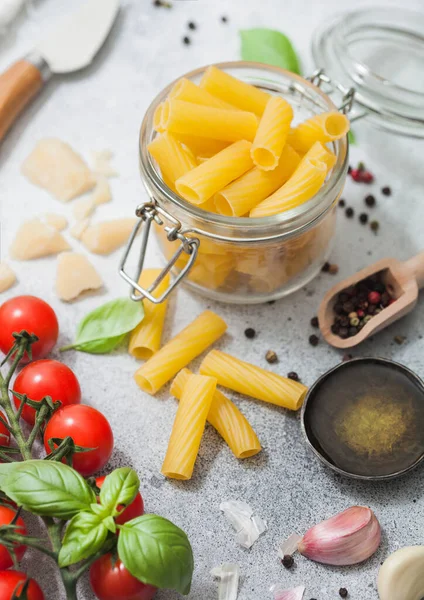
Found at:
(186, 90)
(230, 89)
(189, 424)
(180, 351)
(305, 182)
(201, 183)
(202, 147)
(183, 117)
(157, 118)
(243, 194)
(320, 152)
(226, 418)
(173, 159)
(253, 381)
(272, 133)
(325, 127)
(145, 340)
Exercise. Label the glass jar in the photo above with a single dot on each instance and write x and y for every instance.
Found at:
(239, 259)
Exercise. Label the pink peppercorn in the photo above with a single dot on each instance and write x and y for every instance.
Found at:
(360, 313)
(374, 297)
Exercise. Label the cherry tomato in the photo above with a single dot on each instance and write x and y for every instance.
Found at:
(6, 517)
(35, 316)
(4, 432)
(133, 510)
(111, 581)
(46, 378)
(89, 429)
(12, 582)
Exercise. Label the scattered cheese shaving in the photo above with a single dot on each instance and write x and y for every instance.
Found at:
(35, 239)
(291, 594)
(101, 163)
(104, 238)
(83, 208)
(101, 193)
(229, 576)
(78, 229)
(56, 167)
(248, 527)
(75, 274)
(289, 546)
(7, 277)
(59, 222)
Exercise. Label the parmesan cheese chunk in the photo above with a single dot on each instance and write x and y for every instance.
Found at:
(101, 193)
(59, 222)
(84, 207)
(56, 167)
(106, 237)
(75, 274)
(78, 229)
(35, 239)
(7, 277)
(101, 163)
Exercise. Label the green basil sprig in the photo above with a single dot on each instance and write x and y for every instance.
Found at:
(46, 488)
(120, 487)
(157, 552)
(105, 327)
(270, 47)
(85, 535)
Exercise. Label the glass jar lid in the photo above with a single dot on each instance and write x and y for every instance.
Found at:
(380, 53)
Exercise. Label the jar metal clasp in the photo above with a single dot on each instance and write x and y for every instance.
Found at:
(148, 213)
(347, 105)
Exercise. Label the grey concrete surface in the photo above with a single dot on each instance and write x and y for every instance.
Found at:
(103, 108)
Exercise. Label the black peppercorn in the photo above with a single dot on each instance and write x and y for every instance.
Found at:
(293, 375)
(224, 19)
(325, 267)
(250, 333)
(314, 322)
(353, 331)
(186, 40)
(343, 333)
(363, 218)
(191, 25)
(369, 200)
(342, 203)
(335, 328)
(338, 308)
(344, 321)
(349, 170)
(348, 307)
(375, 226)
(386, 191)
(288, 561)
(313, 340)
(349, 212)
(343, 593)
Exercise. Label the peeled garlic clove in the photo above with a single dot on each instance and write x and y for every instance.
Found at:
(292, 594)
(346, 539)
(401, 576)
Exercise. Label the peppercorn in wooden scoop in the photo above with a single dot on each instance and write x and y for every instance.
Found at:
(369, 300)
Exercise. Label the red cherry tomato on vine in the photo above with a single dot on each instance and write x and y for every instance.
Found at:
(133, 510)
(110, 580)
(11, 584)
(6, 517)
(89, 429)
(35, 316)
(4, 432)
(46, 378)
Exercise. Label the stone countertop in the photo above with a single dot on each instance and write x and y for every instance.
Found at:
(102, 108)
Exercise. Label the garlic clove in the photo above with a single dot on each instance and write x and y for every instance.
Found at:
(292, 594)
(401, 577)
(348, 538)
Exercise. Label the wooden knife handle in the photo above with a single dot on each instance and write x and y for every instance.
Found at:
(18, 85)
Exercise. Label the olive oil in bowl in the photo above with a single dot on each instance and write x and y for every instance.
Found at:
(365, 418)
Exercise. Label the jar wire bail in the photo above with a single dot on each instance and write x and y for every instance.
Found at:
(347, 105)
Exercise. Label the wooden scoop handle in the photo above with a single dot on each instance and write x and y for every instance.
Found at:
(18, 85)
(416, 266)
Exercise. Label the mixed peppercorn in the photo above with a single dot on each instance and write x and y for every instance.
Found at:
(357, 305)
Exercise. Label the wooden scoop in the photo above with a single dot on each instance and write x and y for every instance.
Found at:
(403, 281)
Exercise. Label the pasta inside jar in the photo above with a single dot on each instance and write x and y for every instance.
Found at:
(253, 171)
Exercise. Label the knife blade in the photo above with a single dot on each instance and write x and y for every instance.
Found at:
(69, 47)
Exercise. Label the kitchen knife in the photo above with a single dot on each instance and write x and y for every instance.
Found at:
(71, 46)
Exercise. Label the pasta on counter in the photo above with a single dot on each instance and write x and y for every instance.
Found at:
(226, 418)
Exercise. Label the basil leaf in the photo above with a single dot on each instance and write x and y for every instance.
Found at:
(270, 47)
(85, 535)
(105, 327)
(5, 470)
(351, 137)
(48, 488)
(120, 487)
(157, 552)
